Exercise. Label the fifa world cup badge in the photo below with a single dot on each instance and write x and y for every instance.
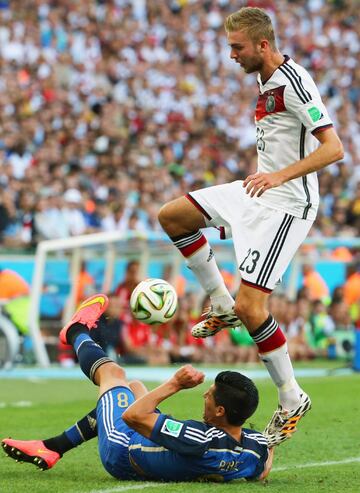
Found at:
(171, 427)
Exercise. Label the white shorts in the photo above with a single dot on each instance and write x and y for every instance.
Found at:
(265, 239)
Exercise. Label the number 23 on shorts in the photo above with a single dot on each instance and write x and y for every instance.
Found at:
(249, 263)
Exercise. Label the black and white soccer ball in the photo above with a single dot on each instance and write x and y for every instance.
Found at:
(153, 301)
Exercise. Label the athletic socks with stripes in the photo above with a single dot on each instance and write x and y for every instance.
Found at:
(273, 351)
(83, 430)
(200, 259)
(268, 336)
(90, 355)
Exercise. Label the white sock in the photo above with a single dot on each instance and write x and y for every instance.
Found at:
(279, 366)
(203, 265)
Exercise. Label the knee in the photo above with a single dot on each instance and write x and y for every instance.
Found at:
(165, 216)
(111, 371)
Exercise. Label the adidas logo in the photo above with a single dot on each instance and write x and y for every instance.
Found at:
(211, 254)
(92, 422)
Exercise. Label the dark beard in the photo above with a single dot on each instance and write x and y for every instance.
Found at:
(255, 66)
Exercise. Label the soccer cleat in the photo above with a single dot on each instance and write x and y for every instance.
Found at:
(214, 322)
(33, 451)
(283, 423)
(87, 314)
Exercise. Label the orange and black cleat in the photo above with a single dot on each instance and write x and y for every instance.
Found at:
(283, 424)
(214, 322)
(33, 451)
(87, 314)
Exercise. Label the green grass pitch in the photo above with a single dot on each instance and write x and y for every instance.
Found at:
(324, 456)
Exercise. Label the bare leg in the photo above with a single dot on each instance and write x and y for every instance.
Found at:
(180, 216)
(251, 308)
(110, 375)
(182, 221)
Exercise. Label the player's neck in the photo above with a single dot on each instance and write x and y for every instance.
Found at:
(274, 60)
(233, 431)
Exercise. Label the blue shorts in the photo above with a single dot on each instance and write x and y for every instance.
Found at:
(114, 434)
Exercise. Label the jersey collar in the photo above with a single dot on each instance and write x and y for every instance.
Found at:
(261, 84)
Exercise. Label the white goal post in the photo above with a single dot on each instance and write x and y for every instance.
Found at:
(111, 244)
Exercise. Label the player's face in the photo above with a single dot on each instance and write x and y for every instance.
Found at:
(245, 52)
(209, 406)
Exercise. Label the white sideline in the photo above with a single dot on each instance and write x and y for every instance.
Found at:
(276, 469)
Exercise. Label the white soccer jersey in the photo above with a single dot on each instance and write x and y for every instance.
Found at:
(288, 112)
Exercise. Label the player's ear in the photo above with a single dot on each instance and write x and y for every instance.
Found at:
(264, 44)
(220, 411)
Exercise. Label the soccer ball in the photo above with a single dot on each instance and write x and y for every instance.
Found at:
(153, 301)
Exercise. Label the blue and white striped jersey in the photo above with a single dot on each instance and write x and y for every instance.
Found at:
(191, 450)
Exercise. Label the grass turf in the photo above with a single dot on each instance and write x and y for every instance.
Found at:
(330, 432)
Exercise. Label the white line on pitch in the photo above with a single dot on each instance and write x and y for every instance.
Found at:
(128, 488)
(317, 464)
(141, 486)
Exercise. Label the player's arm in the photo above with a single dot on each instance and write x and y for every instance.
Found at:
(268, 465)
(329, 151)
(141, 415)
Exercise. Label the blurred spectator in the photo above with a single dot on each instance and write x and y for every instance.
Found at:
(7, 212)
(129, 283)
(178, 281)
(12, 285)
(298, 331)
(352, 285)
(85, 284)
(73, 212)
(322, 329)
(341, 254)
(312, 280)
(278, 305)
(49, 219)
(20, 232)
(145, 342)
(247, 351)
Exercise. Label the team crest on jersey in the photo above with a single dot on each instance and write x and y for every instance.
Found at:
(270, 104)
(171, 427)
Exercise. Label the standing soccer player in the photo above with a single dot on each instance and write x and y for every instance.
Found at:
(269, 214)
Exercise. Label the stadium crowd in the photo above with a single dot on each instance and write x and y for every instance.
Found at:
(111, 108)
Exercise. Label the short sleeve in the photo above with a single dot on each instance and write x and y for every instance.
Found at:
(185, 437)
(303, 99)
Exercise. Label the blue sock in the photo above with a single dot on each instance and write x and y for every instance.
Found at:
(83, 430)
(90, 355)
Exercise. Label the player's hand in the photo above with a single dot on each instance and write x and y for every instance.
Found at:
(187, 377)
(258, 183)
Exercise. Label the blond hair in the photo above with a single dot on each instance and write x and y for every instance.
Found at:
(255, 22)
